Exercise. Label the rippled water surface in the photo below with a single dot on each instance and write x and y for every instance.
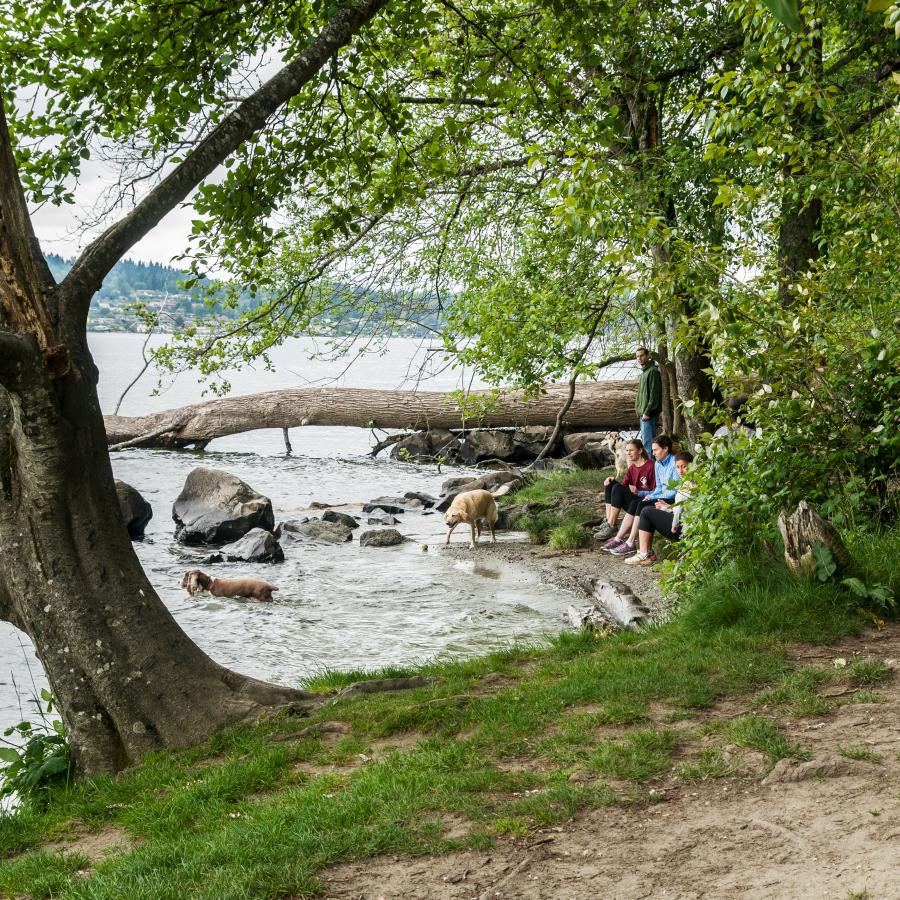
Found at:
(340, 606)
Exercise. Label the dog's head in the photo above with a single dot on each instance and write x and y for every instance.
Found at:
(195, 581)
(611, 439)
(452, 517)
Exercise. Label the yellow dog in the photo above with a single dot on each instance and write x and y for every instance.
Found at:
(473, 507)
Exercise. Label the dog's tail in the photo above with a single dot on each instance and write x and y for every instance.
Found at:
(503, 489)
(272, 587)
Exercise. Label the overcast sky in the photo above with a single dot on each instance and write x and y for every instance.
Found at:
(59, 230)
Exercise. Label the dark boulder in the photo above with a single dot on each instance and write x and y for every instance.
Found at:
(531, 440)
(216, 507)
(425, 499)
(483, 444)
(136, 511)
(591, 456)
(451, 485)
(395, 505)
(340, 518)
(257, 545)
(427, 445)
(384, 537)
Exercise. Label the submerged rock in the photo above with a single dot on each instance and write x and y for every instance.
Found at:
(257, 545)
(383, 537)
(136, 511)
(393, 505)
(216, 507)
(317, 530)
(386, 519)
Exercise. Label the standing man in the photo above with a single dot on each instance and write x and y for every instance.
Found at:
(649, 397)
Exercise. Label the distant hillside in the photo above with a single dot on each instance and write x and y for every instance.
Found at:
(157, 287)
(131, 282)
(127, 277)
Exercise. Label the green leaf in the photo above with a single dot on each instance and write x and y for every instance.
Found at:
(877, 6)
(786, 13)
(856, 586)
(7, 754)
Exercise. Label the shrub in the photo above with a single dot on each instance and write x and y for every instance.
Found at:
(568, 537)
(38, 761)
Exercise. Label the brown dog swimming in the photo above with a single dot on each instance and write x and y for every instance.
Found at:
(195, 581)
(473, 507)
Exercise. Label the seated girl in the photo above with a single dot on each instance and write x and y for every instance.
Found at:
(627, 494)
(664, 518)
(665, 478)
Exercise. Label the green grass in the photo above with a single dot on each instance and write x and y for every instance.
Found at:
(260, 811)
(862, 753)
(547, 487)
(568, 537)
(710, 763)
(758, 733)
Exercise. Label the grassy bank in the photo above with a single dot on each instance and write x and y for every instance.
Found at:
(492, 747)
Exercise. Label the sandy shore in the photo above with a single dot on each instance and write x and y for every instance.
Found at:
(570, 569)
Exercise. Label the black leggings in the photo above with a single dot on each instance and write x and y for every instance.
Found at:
(620, 497)
(659, 520)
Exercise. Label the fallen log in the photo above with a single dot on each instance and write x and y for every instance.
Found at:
(603, 405)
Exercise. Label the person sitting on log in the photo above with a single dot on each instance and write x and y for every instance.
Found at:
(627, 493)
(665, 479)
(664, 518)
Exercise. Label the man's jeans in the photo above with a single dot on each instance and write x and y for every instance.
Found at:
(648, 432)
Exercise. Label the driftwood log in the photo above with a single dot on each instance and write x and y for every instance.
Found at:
(603, 405)
(801, 531)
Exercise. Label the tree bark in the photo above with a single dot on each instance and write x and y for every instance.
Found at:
(126, 677)
(602, 405)
(802, 530)
(694, 384)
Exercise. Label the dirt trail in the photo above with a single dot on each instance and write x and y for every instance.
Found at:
(827, 828)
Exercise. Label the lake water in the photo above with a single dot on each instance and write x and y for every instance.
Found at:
(340, 606)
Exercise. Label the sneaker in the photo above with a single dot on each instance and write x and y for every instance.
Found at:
(604, 531)
(641, 559)
(611, 545)
(624, 549)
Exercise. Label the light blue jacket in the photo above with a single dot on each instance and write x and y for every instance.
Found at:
(667, 479)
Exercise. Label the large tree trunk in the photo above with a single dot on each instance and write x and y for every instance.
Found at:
(694, 383)
(126, 677)
(601, 405)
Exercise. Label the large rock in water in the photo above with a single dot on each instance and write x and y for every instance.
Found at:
(136, 511)
(317, 530)
(383, 537)
(483, 444)
(215, 507)
(256, 545)
(339, 518)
